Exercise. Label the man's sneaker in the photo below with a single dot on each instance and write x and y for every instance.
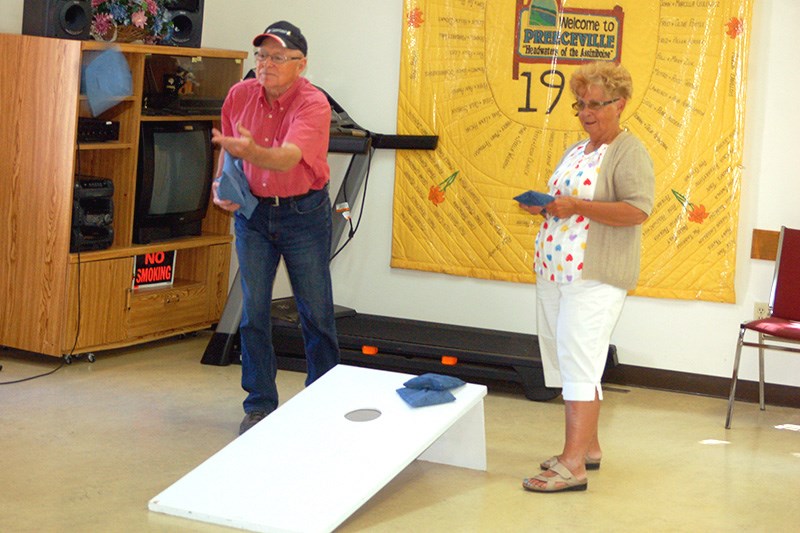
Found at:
(251, 419)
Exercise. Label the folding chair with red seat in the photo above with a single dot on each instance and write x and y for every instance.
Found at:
(783, 323)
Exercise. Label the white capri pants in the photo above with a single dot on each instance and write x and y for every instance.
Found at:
(574, 322)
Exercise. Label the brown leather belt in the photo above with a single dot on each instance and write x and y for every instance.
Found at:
(275, 201)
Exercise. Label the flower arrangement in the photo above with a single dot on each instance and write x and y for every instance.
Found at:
(145, 20)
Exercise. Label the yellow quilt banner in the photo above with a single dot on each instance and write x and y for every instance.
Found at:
(491, 79)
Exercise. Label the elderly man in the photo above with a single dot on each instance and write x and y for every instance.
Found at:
(278, 125)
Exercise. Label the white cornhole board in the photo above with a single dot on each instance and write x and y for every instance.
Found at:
(306, 468)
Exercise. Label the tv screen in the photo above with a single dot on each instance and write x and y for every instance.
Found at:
(176, 165)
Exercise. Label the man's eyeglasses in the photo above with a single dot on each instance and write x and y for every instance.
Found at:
(276, 59)
(593, 105)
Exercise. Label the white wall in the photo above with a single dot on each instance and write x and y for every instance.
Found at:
(354, 50)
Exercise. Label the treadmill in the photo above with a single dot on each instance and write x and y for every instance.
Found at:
(382, 342)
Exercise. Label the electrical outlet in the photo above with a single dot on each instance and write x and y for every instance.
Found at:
(760, 310)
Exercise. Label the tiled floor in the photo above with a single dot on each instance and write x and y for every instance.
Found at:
(86, 448)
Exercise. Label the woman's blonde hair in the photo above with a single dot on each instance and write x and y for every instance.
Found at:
(613, 78)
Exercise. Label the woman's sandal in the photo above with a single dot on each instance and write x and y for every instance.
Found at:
(562, 477)
(591, 464)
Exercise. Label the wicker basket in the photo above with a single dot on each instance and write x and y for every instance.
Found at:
(123, 34)
(130, 34)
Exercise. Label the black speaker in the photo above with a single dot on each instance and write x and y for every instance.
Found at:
(65, 19)
(92, 214)
(187, 17)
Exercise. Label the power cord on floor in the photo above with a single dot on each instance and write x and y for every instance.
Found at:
(56, 369)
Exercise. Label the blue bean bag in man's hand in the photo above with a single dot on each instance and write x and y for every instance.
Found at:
(233, 186)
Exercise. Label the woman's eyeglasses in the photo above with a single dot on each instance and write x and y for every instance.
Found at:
(593, 105)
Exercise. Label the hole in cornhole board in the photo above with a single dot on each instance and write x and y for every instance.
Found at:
(363, 415)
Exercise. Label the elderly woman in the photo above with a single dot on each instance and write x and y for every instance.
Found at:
(587, 258)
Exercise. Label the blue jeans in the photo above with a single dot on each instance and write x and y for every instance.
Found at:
(300, 232)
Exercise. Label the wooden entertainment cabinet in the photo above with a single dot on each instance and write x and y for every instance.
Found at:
(62, 303)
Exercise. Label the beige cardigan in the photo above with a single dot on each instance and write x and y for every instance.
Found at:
(626, 175)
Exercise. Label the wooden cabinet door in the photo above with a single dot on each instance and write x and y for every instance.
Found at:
(39, 80)
(99, 293)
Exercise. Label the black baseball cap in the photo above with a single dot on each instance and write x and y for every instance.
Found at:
(286, 33)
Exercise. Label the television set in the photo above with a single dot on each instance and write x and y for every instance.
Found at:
(174, 174)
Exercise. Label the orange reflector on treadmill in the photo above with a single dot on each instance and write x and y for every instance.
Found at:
(369, 350)
(449, 360)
